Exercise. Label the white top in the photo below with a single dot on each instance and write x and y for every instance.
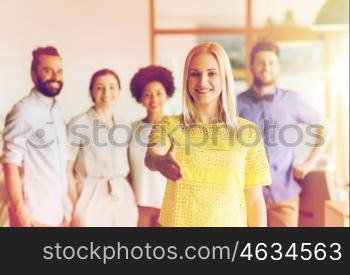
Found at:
(35, 138)
(100, 156)
(149, 186)
(97, 150)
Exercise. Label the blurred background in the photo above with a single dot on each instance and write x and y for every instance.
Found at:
(125, 35)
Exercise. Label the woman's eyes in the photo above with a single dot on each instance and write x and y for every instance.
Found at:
(194, 74)
(210, 74)
(148, 95)
(103, 87)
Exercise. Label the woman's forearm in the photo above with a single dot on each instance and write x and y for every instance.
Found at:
(256, 207)
(257, 214)
(152, 161)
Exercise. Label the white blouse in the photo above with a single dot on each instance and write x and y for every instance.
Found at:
(97, 150)
(149, 186)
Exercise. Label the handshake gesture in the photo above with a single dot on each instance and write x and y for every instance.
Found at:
(165, 164)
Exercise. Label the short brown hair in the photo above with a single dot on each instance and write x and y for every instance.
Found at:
(264, 45)
(49, 50)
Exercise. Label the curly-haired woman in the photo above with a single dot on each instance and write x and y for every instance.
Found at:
(151, 86)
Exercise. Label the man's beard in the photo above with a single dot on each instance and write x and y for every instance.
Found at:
(260, 83)
(43, 87)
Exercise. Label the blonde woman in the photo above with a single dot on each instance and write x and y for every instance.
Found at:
(98, 168)
(214, 161)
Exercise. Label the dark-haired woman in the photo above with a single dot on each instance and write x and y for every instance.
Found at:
(151, 86)
(98, 169)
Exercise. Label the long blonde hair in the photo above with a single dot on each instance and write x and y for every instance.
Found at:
(227, 98)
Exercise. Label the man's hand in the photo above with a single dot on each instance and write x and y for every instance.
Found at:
(23, 218)
(302, 169)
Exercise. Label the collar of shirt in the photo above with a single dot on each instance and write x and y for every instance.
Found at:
(256, 97)
(94, 115)
(48, 101)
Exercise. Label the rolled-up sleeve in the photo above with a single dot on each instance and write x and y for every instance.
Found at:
(305, 112)
(17, 131)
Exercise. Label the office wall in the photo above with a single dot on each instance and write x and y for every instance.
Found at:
(90, 35)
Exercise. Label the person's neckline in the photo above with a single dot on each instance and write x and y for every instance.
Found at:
(209, 123)
(144, 122)
(214, 122)
(50, 101)
(94, 114)
(272, 91)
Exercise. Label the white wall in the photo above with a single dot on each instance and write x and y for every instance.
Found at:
(89, 34)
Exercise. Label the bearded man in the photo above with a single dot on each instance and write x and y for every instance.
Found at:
(277, 113)
(35, 149)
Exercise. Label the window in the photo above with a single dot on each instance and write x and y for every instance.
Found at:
(307, 57)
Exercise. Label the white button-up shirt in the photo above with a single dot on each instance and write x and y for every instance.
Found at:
(35, 139)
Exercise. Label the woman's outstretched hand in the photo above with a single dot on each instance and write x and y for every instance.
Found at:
(168, 165)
